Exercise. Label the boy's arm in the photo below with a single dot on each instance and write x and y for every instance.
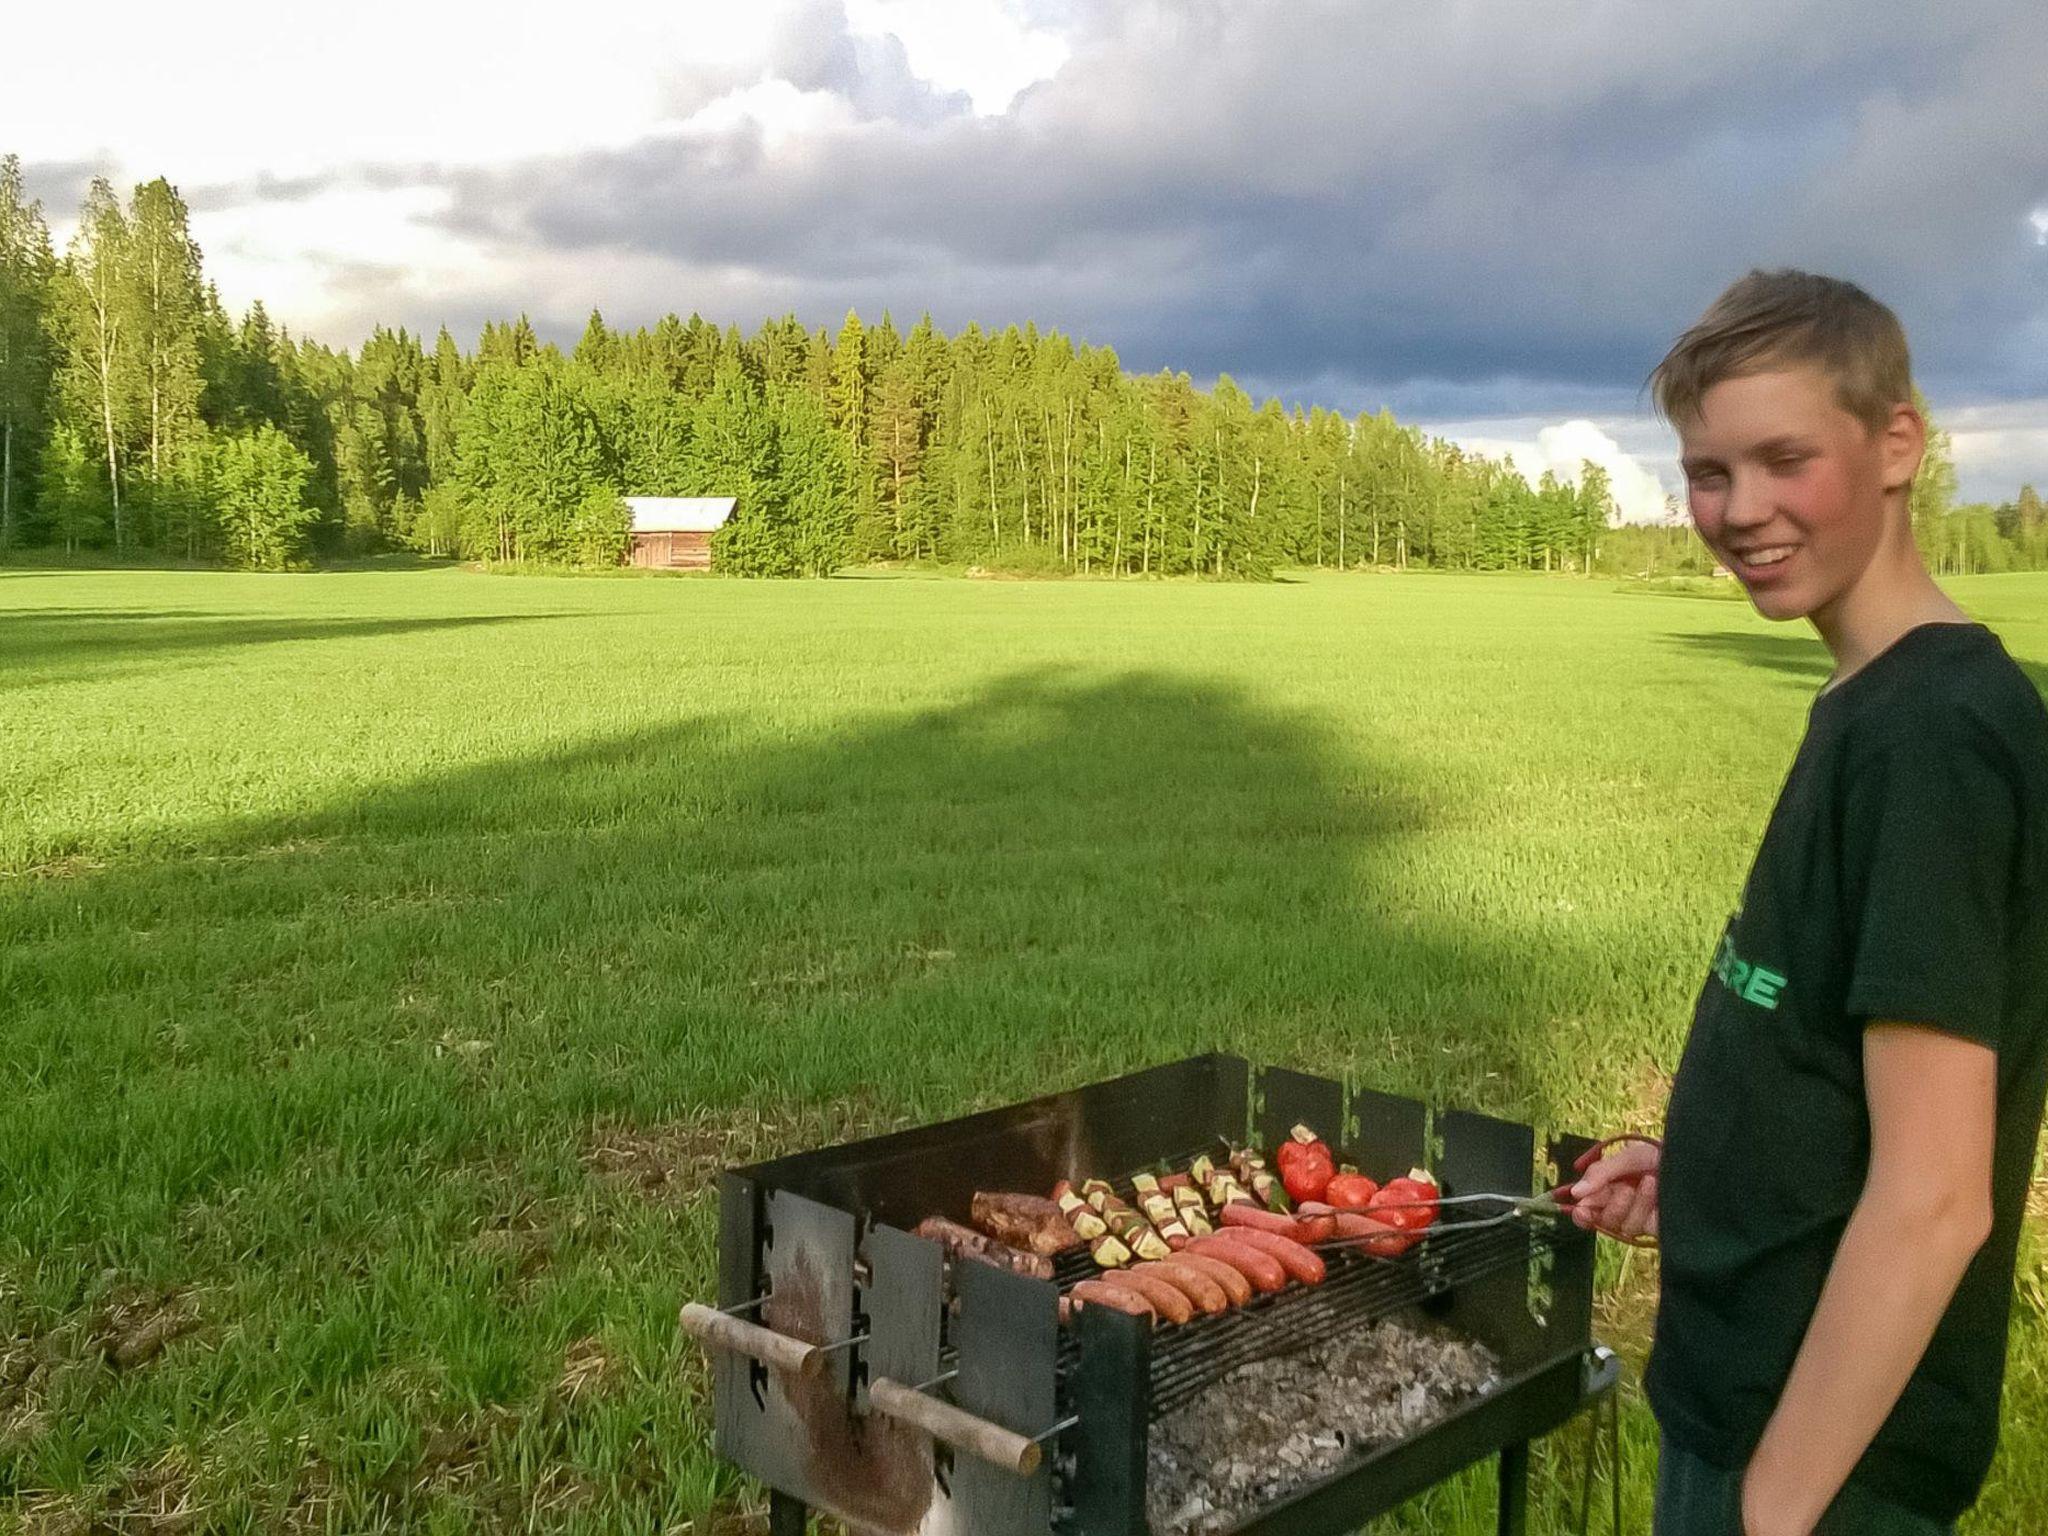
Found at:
(1924, 1211)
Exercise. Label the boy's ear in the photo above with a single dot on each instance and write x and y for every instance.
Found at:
(1902, 441)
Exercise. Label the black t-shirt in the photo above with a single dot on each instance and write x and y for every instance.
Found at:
(1904, 876)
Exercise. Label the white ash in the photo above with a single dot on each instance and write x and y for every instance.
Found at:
(1273, 1427)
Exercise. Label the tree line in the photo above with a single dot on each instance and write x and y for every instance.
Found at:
(137, 415)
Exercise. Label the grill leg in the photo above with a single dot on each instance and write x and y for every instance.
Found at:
(786, 1515)
(1514, 1489)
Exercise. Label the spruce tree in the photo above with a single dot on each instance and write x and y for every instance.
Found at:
(27, 270)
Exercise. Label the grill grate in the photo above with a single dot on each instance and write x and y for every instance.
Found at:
(1360, 1289)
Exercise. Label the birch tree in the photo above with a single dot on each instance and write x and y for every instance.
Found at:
(98, 375)
(168, 305)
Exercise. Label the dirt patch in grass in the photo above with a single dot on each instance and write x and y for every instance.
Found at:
(125, 1331)
(520, 1246)
(680, 1160)
(157, 1500)
(133, 1326)
(587, 1368)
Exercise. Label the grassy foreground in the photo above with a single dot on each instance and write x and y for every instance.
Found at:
(387, 960)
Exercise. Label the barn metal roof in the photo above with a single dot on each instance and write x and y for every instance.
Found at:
(680, 514)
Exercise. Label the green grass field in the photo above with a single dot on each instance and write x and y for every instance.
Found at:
(388, 959)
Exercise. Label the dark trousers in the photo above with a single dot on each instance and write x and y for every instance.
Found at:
(1696, 1498)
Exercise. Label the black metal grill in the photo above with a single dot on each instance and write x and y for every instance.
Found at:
(899, 1382)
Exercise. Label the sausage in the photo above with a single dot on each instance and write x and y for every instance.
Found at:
(1299, 1229)
(1262, 1269)
(1235, 1286)
(966, 1243)
(1168, 1300)
(1205, 1293)
(1358, 1224)
(1300, 1263)
(1095, 1293)
(1382, 1241)
(1368, 1233)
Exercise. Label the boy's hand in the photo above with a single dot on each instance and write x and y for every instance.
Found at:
(1618, 1194)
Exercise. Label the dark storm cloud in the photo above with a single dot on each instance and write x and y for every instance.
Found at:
(1425, 202)
(264, 187)
(60, 185)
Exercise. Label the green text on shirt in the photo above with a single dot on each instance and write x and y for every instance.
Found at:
(1752, 983)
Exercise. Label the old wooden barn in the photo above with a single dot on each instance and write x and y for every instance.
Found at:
(674, 532)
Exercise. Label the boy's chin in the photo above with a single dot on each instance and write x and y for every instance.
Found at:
(1782, 604)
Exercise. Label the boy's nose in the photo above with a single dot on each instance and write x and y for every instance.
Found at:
(1749, 502)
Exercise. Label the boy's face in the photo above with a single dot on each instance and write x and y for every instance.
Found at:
(1788, 489)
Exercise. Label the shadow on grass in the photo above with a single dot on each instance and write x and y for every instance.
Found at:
(49, 562)
(44, 645)
(1798, 656)
(1801, 657)
(314, 1064)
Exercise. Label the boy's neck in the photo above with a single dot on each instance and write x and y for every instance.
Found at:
(1893, 595)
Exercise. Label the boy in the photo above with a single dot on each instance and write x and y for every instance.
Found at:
(1853, 1124)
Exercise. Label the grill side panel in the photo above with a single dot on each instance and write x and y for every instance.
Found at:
(1111, 1441)
(1284, 1098)
(1388, 1135)
(1008, 1331)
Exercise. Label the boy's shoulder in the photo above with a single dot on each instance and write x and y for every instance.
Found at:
(1954, 688)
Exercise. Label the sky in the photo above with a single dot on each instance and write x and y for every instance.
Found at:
(1490, 218)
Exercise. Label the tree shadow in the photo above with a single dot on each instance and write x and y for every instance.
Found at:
(332, 1050)
(1800, 657)
(387, 562)
(67, 644)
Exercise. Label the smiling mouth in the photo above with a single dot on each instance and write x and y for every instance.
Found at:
(1764, 557)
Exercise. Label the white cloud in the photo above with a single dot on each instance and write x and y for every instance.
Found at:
(1562, 448)
(237, 109)
(776, 109)
(982, 47)
(248, 88)
(1997, 448)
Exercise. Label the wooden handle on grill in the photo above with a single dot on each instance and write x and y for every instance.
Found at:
(718, 1330)
(960, 1429)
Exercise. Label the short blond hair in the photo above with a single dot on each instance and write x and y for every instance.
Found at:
(1790, 318)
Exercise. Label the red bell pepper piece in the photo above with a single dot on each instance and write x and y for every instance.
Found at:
(1350, 1191)
(1408, 1203)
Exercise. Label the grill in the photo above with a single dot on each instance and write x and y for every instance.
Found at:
(858, 1373)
